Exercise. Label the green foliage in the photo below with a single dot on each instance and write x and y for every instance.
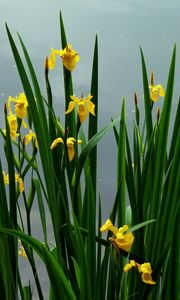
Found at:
(80, 263)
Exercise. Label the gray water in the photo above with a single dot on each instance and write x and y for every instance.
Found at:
(121, 26)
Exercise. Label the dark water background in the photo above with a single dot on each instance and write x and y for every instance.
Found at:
(122, 26)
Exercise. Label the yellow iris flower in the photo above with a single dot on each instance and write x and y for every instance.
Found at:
(68, 55)
(28, 137)
(121, 239)
(18, 179)
(144, 269)
(13, 126)
(156, 91)
(84, 106)
(70, 145)
(21, 104)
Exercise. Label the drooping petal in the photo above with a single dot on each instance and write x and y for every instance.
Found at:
(52, 60)
(70, 107)
(28, 137)
(146, 278)
(82, 111)
(129, 266)
(108, 226)
(91, 107)
(70, 147)
(124, 240)
(56, 142)
(146, 271)
(20, 182)
(161, 90)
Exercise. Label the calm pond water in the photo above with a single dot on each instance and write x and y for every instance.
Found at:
(122, 26)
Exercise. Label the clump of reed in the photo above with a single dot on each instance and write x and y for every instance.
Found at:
(139, 258)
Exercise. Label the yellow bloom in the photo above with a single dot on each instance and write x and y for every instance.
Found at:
(20, 182)
(6, 178)
(70, 145)
(84, 106)
(144, 269)
(156, 91)
(18, 179)
(13, 125)
(52, 58)
(28, 137)
(129, 266)
(121, 239)
(68, 55)
(21, 105)
(56, 142)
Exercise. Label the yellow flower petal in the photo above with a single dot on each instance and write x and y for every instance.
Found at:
(70, 107)
(28, 137)
(108, 226)
(82, 111)
(91, 107)
(6, 178)
(20, 182)
(161, 90)
(156, 91)
(129, 266)
(146, 271)
(146, 278)
(124, 240)
(69, 57)
(13, 125)
(56, 142)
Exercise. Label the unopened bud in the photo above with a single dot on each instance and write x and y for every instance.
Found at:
(158, 114)
(24, 142)
(5, 108)
(135, 99)
(46, 67)
(152, 78)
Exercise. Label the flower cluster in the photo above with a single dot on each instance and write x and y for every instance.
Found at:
(144, 269)
(123, 239)
(70, 145)
(20, 112)
(84, 105)
(20, 104)
(18, 179)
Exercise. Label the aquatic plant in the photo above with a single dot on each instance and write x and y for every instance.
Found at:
(138, 259)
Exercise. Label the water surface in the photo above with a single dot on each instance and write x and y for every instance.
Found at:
(121, 26)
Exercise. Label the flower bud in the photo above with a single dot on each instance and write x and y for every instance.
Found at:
(158, 114)
(152, 78)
